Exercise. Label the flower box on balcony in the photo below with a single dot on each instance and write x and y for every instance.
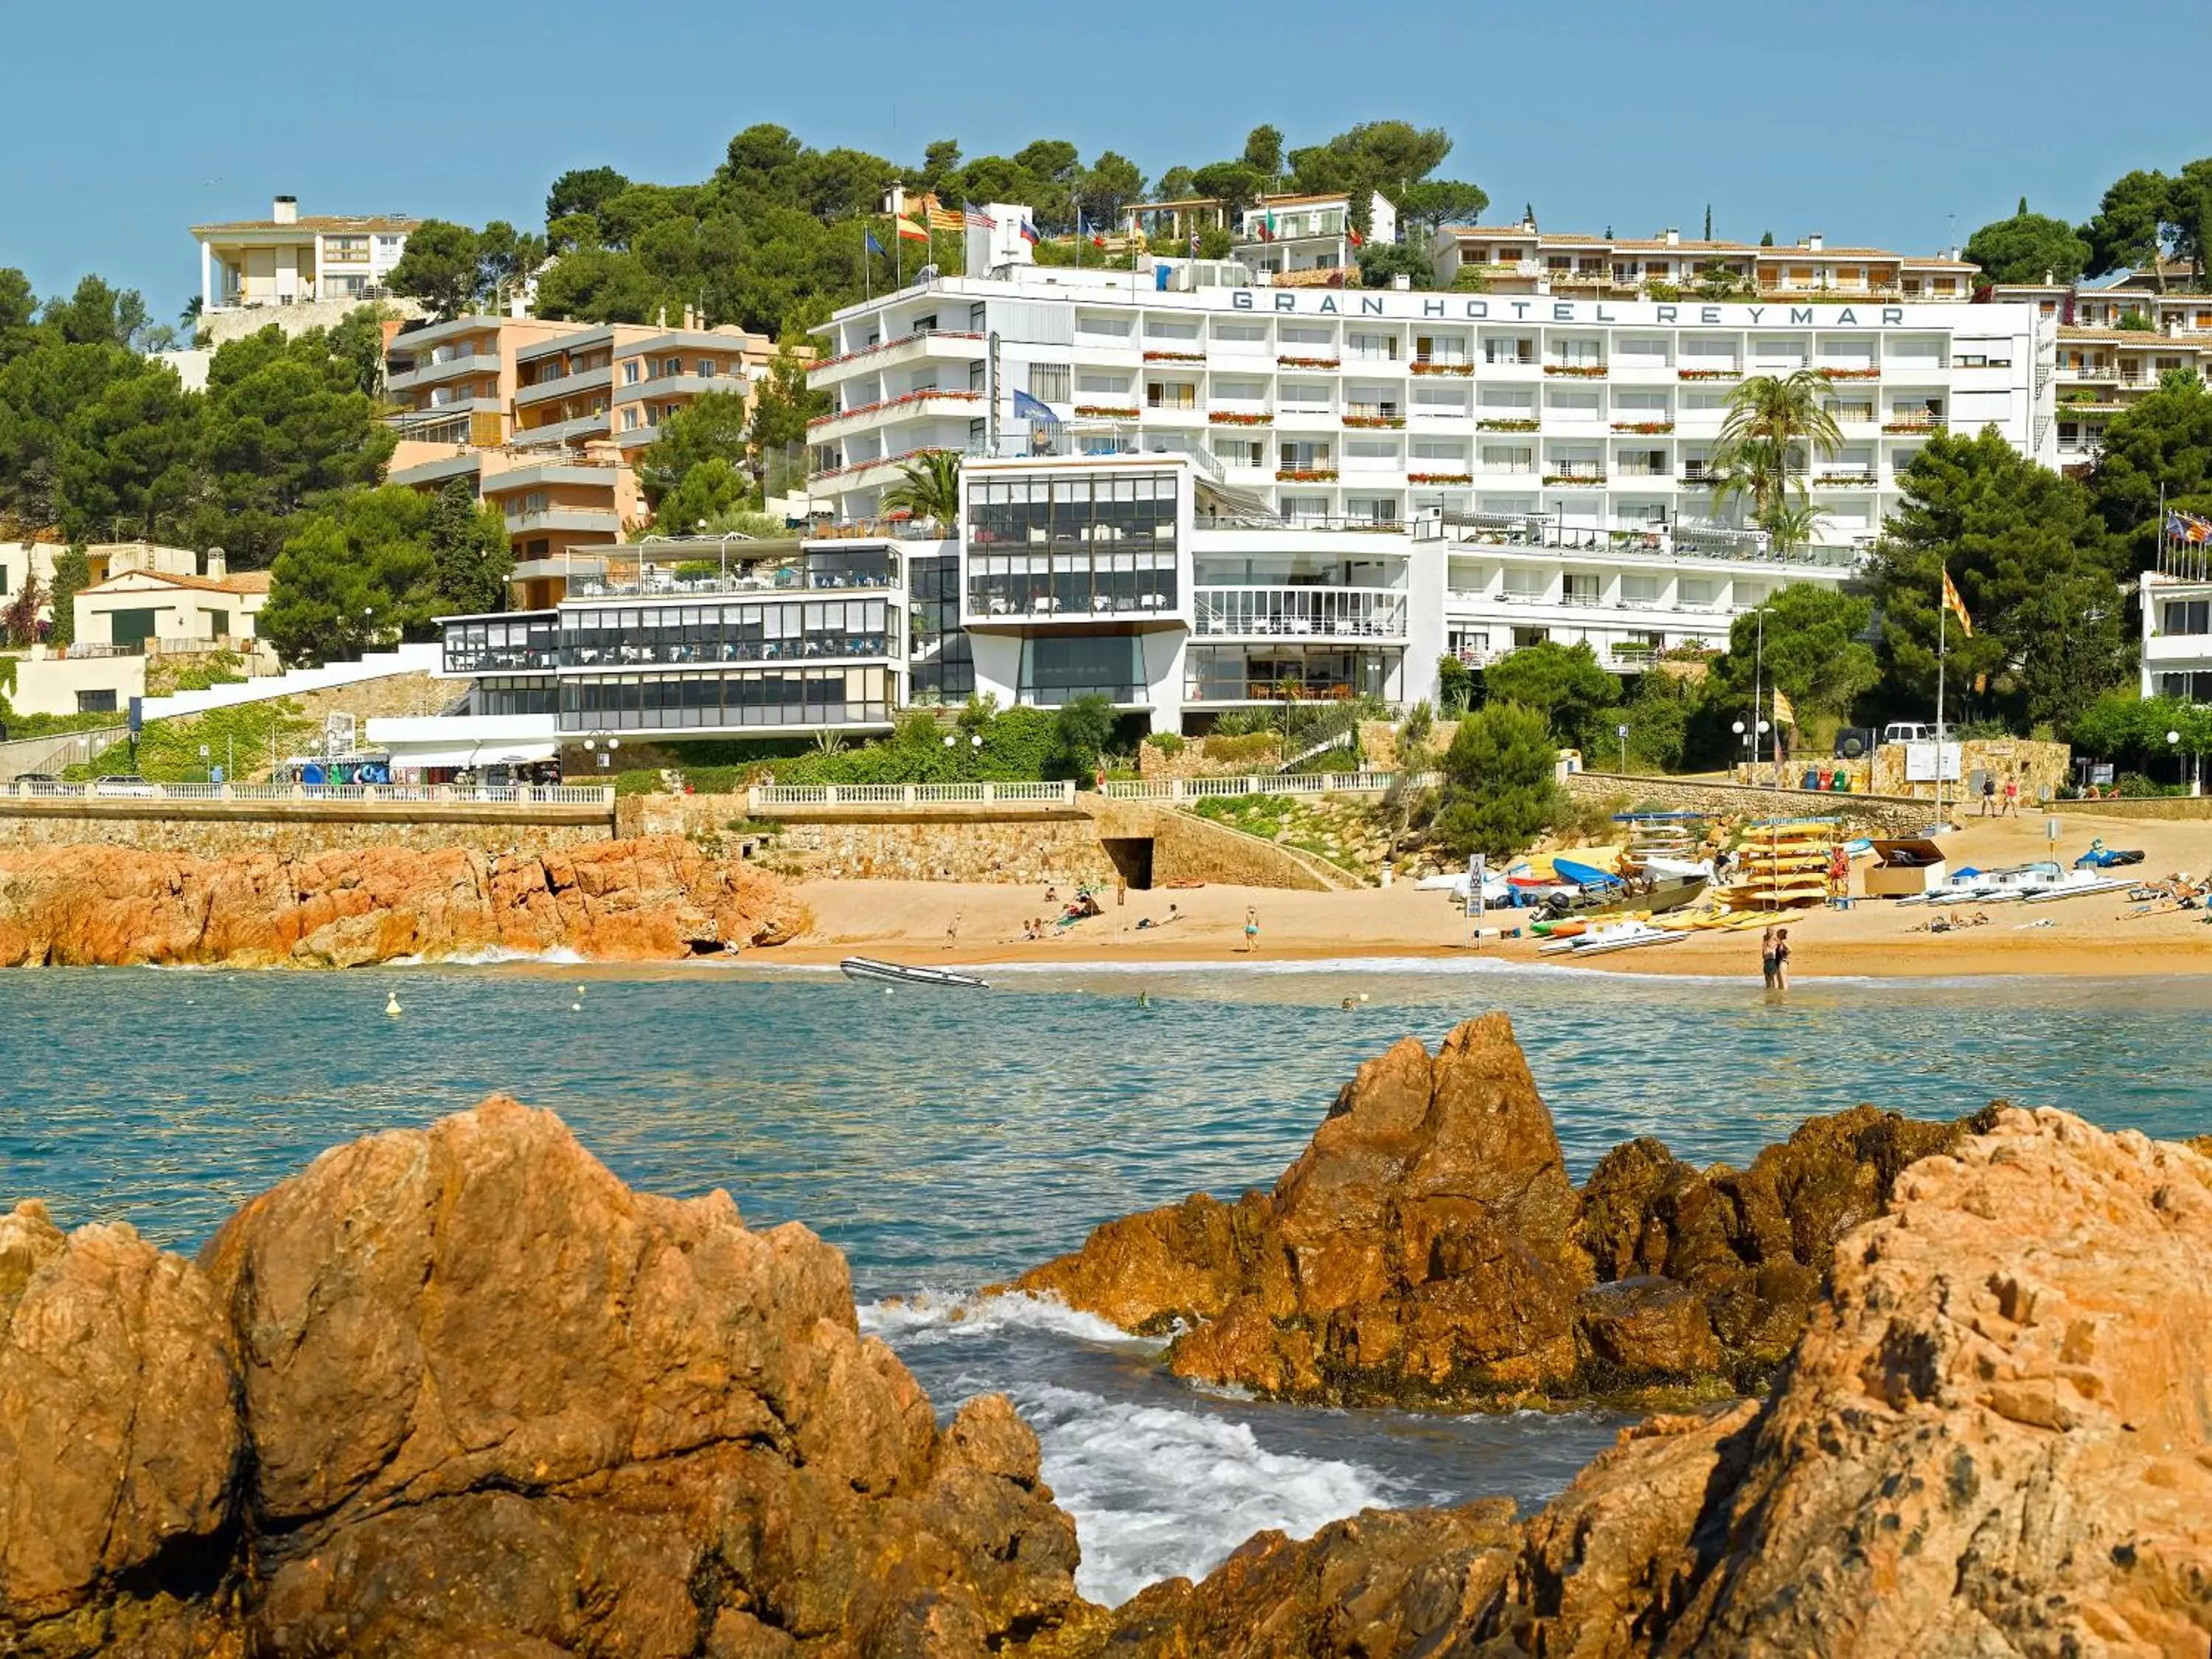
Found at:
(1443, 368)
(1440, 477)
(1577, 371)
(1174, 356)
(1848, 374)
(1309, 362)
(1306, 475)
(1553, 480)
(1907, 428)
(1506, 426)
(1384, 421)
(1109, 411)
(1699, 480)
(1709, 373)
(1644, 428)
(1845, 481)
(1238, 417)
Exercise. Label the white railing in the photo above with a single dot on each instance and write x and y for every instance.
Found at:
(457, 794)
(1267, 783)
(1277, 612)
(905, 795)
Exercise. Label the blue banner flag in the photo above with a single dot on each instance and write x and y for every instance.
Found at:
(874, 247)
(1027, 408)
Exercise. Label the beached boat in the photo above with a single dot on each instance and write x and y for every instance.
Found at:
(867, 971)
(1629, 934)
(1618, 896)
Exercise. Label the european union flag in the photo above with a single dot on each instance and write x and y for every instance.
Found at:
(874, 247)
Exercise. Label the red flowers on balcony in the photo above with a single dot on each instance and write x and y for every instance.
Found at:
(1238, 418)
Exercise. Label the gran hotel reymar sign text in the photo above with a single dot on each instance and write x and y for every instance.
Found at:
(1328, 303)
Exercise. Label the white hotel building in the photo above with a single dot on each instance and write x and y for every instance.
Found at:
(1369, 478)
(1250, 492)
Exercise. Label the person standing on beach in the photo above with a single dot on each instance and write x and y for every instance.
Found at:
(1988, 793)
(2011, 796)
(952, 931)
(1766, 958)
(1251, 927)
(1781, 980)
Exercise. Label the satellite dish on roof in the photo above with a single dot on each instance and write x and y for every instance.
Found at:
(927, 274)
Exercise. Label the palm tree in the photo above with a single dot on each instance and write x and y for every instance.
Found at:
(928, 487)
(1774, 420)
(1791, 527)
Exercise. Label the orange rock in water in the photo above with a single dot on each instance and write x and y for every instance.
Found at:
(653, 899)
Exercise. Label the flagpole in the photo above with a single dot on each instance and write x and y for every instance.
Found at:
(1942, 645)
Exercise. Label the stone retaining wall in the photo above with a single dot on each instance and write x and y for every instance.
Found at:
(1879, 815)
(2162, 808)
(202, 838)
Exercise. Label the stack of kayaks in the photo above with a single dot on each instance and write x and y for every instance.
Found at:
(1782, 863)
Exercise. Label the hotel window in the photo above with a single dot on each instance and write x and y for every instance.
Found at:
(388, 244)
(1639, 590)
(1049, 382)
(1304, 455)
(706, 368)
(346, 250)
(2185, 617)
(1103, 386)
(1694, 590)
(1240, 451)
(1581, 587)
(1171, 394)
(632, 371)
(630, 421)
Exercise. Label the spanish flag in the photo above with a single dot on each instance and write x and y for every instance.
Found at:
(1957, 606)
(911, 231)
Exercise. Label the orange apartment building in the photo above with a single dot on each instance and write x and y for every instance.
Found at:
(547, 420)
(2115, 341)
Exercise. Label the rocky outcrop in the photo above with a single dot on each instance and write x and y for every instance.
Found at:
(646, 900)
(1995, 1437)
(120, 1446)
(461, 1391)
(1427, 1247)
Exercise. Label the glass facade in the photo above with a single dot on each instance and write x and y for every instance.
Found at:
(647, 702)
(1059, 668)
(941, 661)
(686, 634)
(1084, 545)
(497, 694)
(523, 641)
(1241, 674)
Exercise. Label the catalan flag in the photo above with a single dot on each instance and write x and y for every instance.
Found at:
(944, 218)
(1957, 606)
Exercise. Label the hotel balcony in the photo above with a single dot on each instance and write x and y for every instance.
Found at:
(574, 430)
(928, 402)
(462, 367)
(1285, 612)
(587, 521)
(589, 380)
(932, 345)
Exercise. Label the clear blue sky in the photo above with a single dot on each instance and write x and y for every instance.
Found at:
(128, 121)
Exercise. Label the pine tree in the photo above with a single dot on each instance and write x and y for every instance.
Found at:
(469, 544)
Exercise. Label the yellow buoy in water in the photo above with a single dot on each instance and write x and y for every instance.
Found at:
(392, 1005)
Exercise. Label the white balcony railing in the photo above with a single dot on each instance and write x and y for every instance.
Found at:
(1285, 612)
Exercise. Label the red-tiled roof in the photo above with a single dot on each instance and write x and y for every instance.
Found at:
(242, 581)
(315, 222)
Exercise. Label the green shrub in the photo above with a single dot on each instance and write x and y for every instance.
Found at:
(1168, 742)
(1499, 791)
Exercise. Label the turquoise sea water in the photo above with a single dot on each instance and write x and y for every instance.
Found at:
(945, 1140)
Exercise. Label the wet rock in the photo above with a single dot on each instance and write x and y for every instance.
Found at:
(644, 900)
(120, 1446)
(1993, 1439)
(1421, 1246)
(1427, 1247)
(1648, 1327)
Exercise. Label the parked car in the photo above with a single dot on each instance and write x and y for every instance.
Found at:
(1853, 741)
(1898, 731)
(123, 783)
(36, 777)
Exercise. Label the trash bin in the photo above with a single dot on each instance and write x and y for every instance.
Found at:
(1812, 779)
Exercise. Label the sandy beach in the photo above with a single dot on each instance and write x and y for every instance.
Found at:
(951, 925)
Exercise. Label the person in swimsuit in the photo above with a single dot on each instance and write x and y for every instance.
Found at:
(1781, 958)
(1766, 958)
(1251, 928)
